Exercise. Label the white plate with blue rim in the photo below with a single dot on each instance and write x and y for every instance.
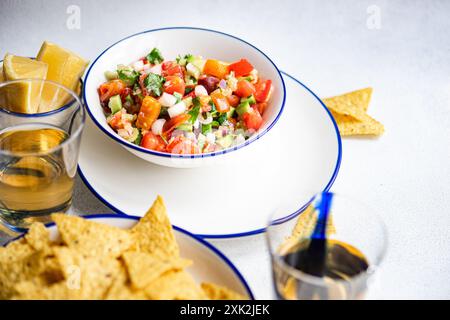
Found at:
(298, 157)
(209, 264)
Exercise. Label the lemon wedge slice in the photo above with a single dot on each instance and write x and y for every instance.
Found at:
(24, 96)
(64, 67)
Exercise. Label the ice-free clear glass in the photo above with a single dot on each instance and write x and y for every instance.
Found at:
(351, 223)
(38, 151)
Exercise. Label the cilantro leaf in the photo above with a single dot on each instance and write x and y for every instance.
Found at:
(221, 119)
(128, 75)
(155, 56)
(154, 84)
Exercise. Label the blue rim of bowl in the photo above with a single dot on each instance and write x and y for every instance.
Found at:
(177, 156)
(281, 220)
(42, 114)
(216, 251)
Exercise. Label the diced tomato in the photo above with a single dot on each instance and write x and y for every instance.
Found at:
(244, 89)
(148, 113)
(263, 90)
(261, 107)
(174, 84)
(220, 101)
(171, 68)
(252, 119)
(153, 142)
(125, 92)
(233, 100)
(182, 145)
(111, 88)
(171, 124)
(215, 68)
(116, 121)
(240, 68)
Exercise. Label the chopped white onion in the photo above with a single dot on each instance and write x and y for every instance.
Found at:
(196, 124)
(156, 69)
(190, 136)
(193, 70)
(223, 84)
(138, 65)
(201, 139)
(208, 119)
(200, 91)
(176, 133)
(177, 109)
(239, 139)
(167, 100)
(210, 137)
(146, 66)
(157, 126)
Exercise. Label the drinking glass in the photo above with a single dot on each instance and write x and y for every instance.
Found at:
(350, 224)
(38, 151)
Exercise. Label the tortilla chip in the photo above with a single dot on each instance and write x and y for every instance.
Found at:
(30, 290)
(154, 234)
(303, 229)
(348, 126)
(215, 292)
(349, 111)
(91, 238)
(12, 266)
(289, 291)
(175, 285)
(121, 289)
(97, 261)
(144, 268)
(90, 276)
(38, 236)
(354, 104)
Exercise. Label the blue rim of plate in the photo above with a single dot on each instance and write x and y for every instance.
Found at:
(117, 138)
(183, 231)
(42, 114)
(281, 220)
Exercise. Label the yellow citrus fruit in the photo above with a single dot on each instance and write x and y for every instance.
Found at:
(64, 67)
(24, 96)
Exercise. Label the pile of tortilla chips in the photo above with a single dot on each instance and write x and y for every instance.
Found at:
(98, 261)
(350, 112)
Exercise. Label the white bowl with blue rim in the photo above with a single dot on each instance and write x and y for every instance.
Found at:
(209, 264)
(172, 42)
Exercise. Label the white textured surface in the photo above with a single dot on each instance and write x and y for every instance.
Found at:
(404, 175)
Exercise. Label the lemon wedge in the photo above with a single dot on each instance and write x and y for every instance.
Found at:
(66, 68)
(24, 96)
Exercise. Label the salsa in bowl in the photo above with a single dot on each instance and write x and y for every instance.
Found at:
(178, 96)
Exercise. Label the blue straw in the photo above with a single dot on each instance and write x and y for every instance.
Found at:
(323, 206)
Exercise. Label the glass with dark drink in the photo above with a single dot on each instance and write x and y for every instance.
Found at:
(326, 259)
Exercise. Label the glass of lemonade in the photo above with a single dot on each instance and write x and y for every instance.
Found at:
(38, 151)
(337, 266)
